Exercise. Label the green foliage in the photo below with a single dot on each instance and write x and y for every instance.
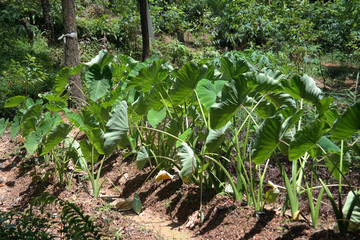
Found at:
(32, 225)
(188, 162)
(174, 16)
(202, 119)
(17, 225)
(28, 78)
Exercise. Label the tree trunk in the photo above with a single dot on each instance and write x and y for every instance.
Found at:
(28, 29)
(45, 4)
(143, 5)
(71, 49)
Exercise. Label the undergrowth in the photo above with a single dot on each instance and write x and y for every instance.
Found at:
(29, 224)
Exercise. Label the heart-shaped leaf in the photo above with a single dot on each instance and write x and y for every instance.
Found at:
(14, 101)
(32, 142)
(262, 83)
(305, 139)
(56, 136)
(141, 158)
(233, 67)
(186, 80)
(332, 162)
(98, 80)
(215, 138)
(188, 162)
(153, 74)
(234, 95)
(347, 124)
(207, 91)
(267, 140)
(155, 117)
(303, 88)
(117, 128)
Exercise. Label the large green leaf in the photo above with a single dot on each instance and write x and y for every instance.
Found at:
(265, 109)
(15, 126)
(14, 101)
(89, 120)
(303, 88)
(188, 162)
(332, 162)
(55, 103)
(207, 91)
(234, 95)
(87, 152)
(32, 142)
(324, 105)
(328, 146)
(56, 135)
(117, 128)
(97, 138)
(305, 139)
(140, 107)
(262, 83)
(154, 74)
(158, 98)
(215, 138)
(281, 99)
(45, 126)
(184, 136)
(347, 124)
(330, 116)
(103, 59)
(352, 207)
(186, 80)
(61, 81)
(77, 69)
(118, 70)
(275, 74)
(28, 126)
(98, 80)
(155, 117)
(141, 158)
(4, 123)
(135, 66)
(267, 139)
(172, 128)
(271, 132)
(33, 111)
(231, 68)
(101, 114)
(74, 152)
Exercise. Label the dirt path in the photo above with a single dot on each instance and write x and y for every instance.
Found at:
(162, 227)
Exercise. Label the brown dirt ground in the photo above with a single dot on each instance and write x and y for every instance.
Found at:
(166, 206)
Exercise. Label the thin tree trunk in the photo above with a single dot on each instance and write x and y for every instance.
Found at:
(71, 49)
(28, 29)
(45, 4)
(143, 5)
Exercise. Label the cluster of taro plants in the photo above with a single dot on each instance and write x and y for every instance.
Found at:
(217, 123)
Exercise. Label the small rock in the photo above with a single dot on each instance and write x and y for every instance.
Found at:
(2, 179)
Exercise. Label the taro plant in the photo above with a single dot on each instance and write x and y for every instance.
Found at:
(204, 101)
(246, 92)
(304, 142)
(344, 128)
(41, 130)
